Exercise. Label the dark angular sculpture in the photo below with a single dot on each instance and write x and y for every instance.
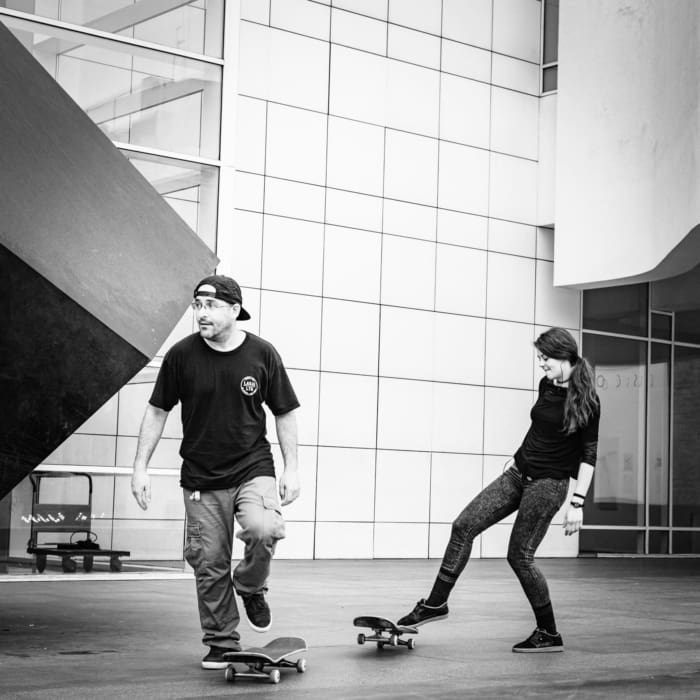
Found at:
(95, 267)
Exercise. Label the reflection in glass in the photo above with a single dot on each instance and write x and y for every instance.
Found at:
(612, 541)
(658, 542)
(196, 27)
(661, 326)
(136, 96)
(680, 295)
(189, 188)
(686, 437)
(686, 543)
(616, 309)
(658, 426)
(618, 483)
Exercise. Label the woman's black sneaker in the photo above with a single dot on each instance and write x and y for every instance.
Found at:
(423, 613)
(540, 641)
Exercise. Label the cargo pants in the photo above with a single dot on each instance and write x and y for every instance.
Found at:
(209, 545)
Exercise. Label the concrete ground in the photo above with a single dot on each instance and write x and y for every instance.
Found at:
(631, 629)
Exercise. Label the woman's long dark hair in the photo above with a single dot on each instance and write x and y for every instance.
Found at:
(581, 398)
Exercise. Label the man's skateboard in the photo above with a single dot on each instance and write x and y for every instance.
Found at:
(273, 656)
(385, 632)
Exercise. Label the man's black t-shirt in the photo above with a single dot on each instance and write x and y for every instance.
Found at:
(224, 440)
(547, 450)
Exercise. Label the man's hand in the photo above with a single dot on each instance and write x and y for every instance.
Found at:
(289, 486)
(141, 488)
(573, 520)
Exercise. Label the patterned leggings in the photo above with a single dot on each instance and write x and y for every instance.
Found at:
(536, 501)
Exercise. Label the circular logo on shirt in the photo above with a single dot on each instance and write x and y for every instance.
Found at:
(249, 385)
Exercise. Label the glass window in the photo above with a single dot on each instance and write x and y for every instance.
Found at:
(686, 437)
(189, 188)
(618, 483)
(680, 295)
(550, 44)
(550, 47)
(196, 27)
(616, 309)
(686, 542)
(611, 541)
(658, 426)
(136, 96)
(658, 542)
(661, 326)
(549, 79)
(687, 326)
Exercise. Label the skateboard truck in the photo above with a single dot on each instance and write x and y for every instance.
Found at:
(385, 632)
(273, 656)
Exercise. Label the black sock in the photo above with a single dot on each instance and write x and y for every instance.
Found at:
(545, 618)
(441, 592)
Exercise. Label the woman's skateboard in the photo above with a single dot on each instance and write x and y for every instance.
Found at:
(273, 656)
(385, 632)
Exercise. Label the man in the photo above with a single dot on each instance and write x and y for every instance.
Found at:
(222, 375)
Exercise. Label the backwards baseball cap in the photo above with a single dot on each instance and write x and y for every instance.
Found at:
(224, 288)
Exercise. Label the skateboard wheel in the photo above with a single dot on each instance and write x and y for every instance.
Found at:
(411, 644)
(88, 561)
(361, 639)
(301, 665)
(40, 562)
(68, 565)
(380, 645)
(394, 640)
(230, 674)
(275, 676)
(115, 564)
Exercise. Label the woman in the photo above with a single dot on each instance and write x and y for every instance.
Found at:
(560, 444)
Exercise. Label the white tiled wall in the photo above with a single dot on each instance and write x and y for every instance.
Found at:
(383, 227)
(386, 201)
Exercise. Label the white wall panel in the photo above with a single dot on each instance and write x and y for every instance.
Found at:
(556, 306)
(509, 354)
(285, 240)
(347, 251)
(468, 22)
(350, 337)
(511, 287)
(424, 15)
(296, 144)
(411, 168)
(408, 272)
(355, 156)
(454, 481)
(414, 47)
(516, 28)
(358, 32)
(402, 486)
(282, 316)
(301, 17)
(345, 487)
(348, 410)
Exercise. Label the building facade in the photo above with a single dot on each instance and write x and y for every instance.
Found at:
(379, 175)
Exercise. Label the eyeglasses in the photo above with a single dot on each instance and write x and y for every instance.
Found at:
(207, 305)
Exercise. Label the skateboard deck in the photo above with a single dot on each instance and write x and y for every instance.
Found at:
(385, 632)
(272, 656)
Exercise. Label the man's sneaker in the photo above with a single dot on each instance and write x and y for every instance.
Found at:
(257, 611)
(214, 660)
(540, 641)
(423, 613)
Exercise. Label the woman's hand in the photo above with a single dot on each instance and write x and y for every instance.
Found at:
(573, 520)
